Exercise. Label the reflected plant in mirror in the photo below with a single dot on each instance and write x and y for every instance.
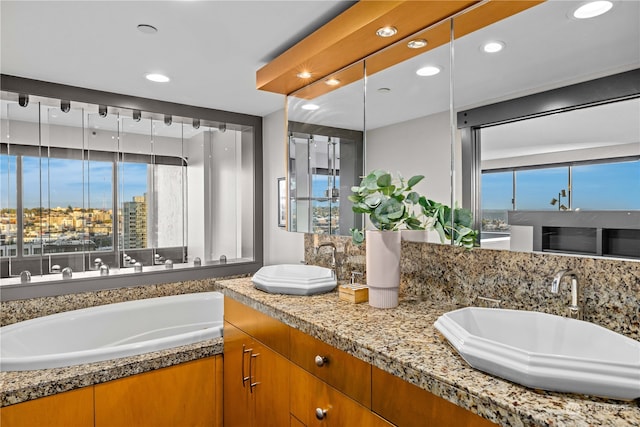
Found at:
(392, 205)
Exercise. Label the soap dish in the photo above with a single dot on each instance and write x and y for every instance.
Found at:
(354, 292)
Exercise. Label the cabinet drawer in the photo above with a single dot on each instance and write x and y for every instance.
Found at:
(407, 405)
(309, 394)
(348, 374)
(269, 331)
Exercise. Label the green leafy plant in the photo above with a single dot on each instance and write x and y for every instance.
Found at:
(392, 204)
(439, 218)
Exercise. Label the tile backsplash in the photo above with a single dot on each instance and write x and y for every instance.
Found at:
(521, 280)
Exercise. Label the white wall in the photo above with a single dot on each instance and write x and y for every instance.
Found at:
(416, 147)
(280, 246)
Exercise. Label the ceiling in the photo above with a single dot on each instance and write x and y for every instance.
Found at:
(211, 50)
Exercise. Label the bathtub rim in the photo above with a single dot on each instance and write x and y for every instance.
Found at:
(103, 354)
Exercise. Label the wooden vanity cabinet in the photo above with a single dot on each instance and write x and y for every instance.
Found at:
(187, 394)
(69, 409)
(256, 375)
(316, 403)
(407, 405)
(346, 373)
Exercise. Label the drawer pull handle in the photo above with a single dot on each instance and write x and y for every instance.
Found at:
(245, 351)
(252, 384)
(321, 414)
(321, 360)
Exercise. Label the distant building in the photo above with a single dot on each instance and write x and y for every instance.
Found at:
(134, 217)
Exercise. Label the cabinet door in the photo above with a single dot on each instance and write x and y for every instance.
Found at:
(310, 395)
(237, 350)
(407, 405)
(68, 409)
(269, 388)
(181, 395)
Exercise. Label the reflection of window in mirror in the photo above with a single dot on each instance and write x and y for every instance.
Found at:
(583, 160)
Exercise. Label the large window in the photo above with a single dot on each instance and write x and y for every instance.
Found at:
(588, 186)
(80, 188)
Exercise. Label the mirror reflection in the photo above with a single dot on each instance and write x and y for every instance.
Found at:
(567, 180)
(325, 153)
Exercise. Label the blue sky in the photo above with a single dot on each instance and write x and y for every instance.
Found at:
(613, 186)
(62, 182)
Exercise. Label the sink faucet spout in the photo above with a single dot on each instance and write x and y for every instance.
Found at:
(575, 311)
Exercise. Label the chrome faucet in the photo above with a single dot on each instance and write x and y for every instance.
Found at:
(575, 311)
(316, 250)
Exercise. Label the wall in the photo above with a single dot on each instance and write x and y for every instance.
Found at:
(280, 246)
(521, 280)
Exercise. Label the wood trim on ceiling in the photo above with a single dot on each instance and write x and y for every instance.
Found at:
(350, 37)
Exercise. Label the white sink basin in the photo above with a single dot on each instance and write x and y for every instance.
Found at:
(545, 351)
(294, 279)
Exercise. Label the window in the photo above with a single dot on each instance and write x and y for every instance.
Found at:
(606, 186)
(497, 200)
(535, 189)
(75, 187)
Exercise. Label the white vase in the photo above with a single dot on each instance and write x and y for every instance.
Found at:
(383, 267)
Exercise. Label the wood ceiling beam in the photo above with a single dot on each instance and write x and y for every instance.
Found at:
(350, 37)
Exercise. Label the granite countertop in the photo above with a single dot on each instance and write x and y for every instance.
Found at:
(16, 387)
(403, 341)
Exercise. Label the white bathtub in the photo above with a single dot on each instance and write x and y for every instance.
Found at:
(110, 331)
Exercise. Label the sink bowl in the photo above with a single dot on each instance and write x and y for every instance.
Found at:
(294, 279)
(545, 351)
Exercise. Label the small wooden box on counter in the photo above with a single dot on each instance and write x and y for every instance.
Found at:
(354, 293)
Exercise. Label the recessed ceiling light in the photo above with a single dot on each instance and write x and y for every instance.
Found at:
(310, 107)
(158, 78)
(430, 70)
(147, 29)
(384, 90)
(493, 47)
(303, 75)
(592, 9)
(417, 44)
(332, 82)
(386, 31)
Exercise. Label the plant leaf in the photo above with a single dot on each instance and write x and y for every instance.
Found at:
(414, 180)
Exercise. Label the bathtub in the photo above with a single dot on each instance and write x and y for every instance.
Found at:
(110, 331)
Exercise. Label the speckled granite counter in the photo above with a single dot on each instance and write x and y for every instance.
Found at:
(404, 342)
(16, 387)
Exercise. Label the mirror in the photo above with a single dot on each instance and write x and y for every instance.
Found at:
(568, 51)
(325, 153)
(537, 184)
(408, 117)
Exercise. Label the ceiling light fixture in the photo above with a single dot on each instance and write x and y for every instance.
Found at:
(429, 70)
(65, 106)
(196, 123)
(147, 29)
(332, 82)
(102, 111)
(168, 119)
(386, 32)
(592, 9)
(310, 107)
(417, 44)
(222, 127)
(158, 78)
(303, 75)
(384, 90)
(493, 47)
(137, 115)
